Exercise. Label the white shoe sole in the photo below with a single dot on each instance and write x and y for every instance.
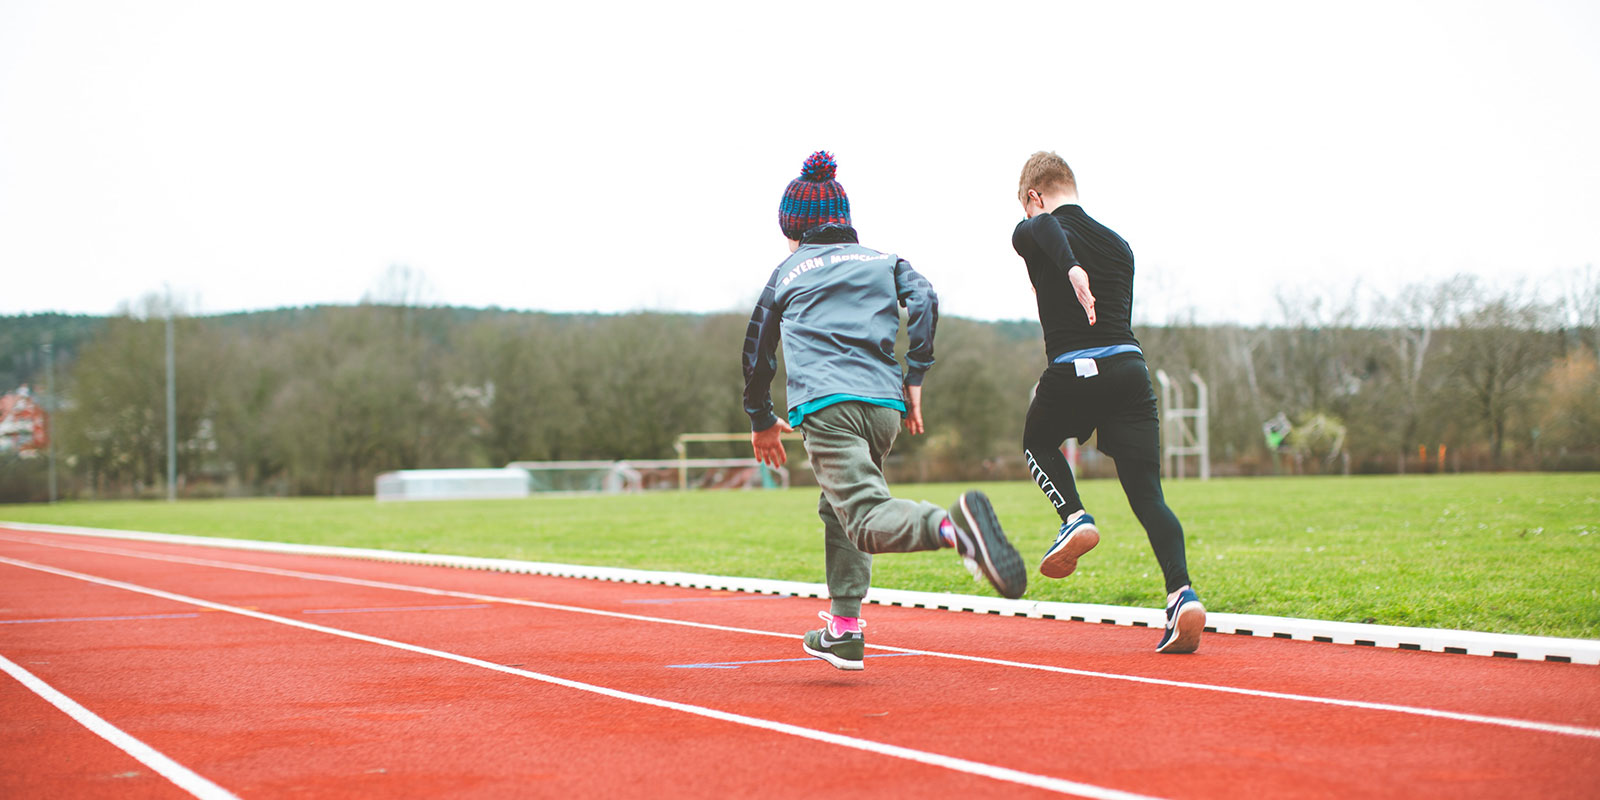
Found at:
(841, 663)
(1190, 624)
(1061, 562)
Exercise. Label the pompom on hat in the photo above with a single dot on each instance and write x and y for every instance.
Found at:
(814, 198)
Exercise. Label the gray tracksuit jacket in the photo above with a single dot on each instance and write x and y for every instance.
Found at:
(836, 306)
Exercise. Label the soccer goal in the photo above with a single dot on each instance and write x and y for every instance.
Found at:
(1185, 431)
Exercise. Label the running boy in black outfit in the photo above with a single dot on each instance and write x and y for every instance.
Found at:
(1097, 379)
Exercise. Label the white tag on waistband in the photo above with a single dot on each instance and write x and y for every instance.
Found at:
(1086, 367)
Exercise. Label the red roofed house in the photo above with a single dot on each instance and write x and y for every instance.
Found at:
(24, 425)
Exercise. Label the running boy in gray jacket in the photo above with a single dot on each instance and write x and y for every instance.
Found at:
(835, 305)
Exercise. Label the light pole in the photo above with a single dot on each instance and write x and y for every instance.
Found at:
(172, 414)
(50, 410)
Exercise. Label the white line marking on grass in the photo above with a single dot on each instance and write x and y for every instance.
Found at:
(185, 778)
(1507, 722)
(952, 763)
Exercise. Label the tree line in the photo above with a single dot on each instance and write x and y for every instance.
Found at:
(320, 400)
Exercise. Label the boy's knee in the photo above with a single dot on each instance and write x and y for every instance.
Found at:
(1037, 442)
(1144, 495)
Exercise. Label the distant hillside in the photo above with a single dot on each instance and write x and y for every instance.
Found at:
(21, 339)
(319, 399)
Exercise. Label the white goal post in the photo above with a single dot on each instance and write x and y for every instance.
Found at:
(1185, 431)
(681, 445)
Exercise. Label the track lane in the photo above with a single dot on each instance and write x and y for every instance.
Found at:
(1477, 685)
(1091, 718)
(276, 710)
(45, 753)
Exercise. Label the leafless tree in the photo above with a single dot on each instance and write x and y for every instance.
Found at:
(1580, 307)
(1413, 319)
(1496, 356)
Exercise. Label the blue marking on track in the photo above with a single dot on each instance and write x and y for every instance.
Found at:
(741, 596)
(97, 619)
(390, 608)
(738, 664)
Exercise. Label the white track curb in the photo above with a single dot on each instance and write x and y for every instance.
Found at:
(1535, 648)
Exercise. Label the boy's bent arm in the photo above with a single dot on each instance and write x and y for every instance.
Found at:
(760, 358)
(1045, 235)
(922, 318)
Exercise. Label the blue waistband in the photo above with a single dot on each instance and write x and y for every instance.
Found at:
(1096, 352)
(797, 415)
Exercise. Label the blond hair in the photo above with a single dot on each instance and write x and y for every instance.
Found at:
(1045, 173)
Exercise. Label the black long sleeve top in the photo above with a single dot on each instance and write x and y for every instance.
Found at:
(1052, 244)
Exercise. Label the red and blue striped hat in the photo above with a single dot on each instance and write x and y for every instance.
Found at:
(814, 198)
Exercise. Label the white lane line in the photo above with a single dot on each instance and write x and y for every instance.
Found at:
(185, 778)
(919, 756)
(1508, 722)
(97, 619)
(738, 664)
(667, 601)
(382, 609)
(1505, 722)
(400, 587)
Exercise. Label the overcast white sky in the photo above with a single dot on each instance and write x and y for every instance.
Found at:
(615, 156)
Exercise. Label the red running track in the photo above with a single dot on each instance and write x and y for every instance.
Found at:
(274, 675)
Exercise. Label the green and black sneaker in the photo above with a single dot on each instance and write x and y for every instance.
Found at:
(839, 643)
(984, 546)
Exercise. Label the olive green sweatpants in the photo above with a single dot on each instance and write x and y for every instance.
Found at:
(847, 443)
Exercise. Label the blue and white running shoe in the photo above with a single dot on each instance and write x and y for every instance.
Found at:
(1076, 538)
(1186, 620)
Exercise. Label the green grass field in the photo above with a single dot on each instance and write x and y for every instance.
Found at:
(1510, 553)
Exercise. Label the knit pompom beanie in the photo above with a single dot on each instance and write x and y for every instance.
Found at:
(814, 198)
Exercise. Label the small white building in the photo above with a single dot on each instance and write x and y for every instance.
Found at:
(452, 484)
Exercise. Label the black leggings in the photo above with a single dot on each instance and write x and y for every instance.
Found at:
(1121, 405)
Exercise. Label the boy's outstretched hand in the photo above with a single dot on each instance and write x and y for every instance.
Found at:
(914, 409)
(769, 444)
(1080, 284)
